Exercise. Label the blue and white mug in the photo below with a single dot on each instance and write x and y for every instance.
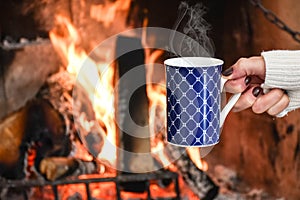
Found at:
(194, 87)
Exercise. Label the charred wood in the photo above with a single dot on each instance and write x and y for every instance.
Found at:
(12, 132)
(35, 124)
(200, 182)
(60, 167)
(21, 73)
(72, 101)
(132, 111)
(132, 106)
(11, 45)
(46, 127)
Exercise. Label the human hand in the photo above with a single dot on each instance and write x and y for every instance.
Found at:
(246, 76)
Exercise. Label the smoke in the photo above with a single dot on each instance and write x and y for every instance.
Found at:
(195, 40)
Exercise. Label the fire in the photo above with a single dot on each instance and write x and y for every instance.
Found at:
(195, 155)
(96, 79)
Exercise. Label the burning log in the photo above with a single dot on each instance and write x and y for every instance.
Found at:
(73, 104)
(134, 142)
(40, 137)
(11, 130)
(35, 124)
(59, 167)
(21, 76)
(131, 55)
(200, 182)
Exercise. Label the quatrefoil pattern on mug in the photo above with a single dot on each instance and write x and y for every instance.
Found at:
(193, 99)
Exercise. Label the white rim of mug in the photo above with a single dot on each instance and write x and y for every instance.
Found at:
(193, 62)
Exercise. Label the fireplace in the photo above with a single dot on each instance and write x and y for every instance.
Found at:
(56, 123)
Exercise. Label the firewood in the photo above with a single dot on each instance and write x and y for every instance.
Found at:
(55, 167)
(36, 124)
(11, 132)
(132, 107)
(23, 76)
(46, 126)
(59, 167)
(200, 182)
(72, 102)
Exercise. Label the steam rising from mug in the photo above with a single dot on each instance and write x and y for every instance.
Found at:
(195, 28)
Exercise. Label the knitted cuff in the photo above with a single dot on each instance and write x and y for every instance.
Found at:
(294, 103)
(282, 69)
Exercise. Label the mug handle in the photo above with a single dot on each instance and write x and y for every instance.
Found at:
(233, 99)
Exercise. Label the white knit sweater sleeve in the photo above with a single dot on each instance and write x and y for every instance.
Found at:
(283, 71)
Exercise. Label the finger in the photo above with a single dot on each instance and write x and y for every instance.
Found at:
(237, 85)
(256, 80)
(279, 106)
(246, 67)
(241, 84)
(248, 98)
(266, 101)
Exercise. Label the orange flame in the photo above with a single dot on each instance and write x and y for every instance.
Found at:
(194, 153)
(96, 79)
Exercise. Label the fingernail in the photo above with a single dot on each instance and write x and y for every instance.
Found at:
(257, 91)
(228, 71)
(247, 80)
